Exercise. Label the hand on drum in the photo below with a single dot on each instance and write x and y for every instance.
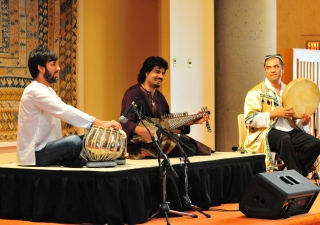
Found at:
(107, 124)
(282, 112)
(305, 119)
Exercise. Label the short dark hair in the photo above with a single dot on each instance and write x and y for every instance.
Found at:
(40, 56)
(278, 56)
(148, 66)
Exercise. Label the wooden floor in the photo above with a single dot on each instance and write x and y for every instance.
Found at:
(224, 214)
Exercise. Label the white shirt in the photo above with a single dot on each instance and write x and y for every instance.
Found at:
(39, 120)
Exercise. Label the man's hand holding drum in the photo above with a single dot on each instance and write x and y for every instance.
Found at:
(282, 112)
(288, 113)
(305, 119)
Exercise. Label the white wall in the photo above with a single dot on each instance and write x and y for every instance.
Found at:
(192, 36)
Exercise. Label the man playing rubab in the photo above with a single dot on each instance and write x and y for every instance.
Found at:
(154, 105)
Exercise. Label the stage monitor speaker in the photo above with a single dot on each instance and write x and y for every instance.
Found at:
(279, 194)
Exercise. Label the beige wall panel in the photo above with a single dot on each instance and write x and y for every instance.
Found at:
(8, 153)
(297, 22)
(245, 31)
(118, 35)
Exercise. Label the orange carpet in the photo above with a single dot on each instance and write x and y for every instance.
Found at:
(224, 214)
(230, 214)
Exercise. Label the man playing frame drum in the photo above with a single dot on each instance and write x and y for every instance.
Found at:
(273, 126)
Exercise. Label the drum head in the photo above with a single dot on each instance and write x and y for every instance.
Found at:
(302, 95)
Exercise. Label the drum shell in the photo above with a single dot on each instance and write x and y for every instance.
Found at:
(105, 144)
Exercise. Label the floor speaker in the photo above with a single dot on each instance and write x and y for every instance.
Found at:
(279, 194)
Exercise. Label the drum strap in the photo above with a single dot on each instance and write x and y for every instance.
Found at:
(293, 124)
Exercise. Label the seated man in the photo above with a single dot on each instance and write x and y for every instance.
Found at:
(40, 140)
(270, 126)
(154, 105)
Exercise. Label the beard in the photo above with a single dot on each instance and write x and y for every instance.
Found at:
(156, 85)
(49, 77)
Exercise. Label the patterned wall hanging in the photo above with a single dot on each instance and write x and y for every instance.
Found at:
(25, 26)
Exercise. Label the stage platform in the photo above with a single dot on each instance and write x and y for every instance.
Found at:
(125, 194)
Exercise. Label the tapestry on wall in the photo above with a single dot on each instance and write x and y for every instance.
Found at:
(25, 26)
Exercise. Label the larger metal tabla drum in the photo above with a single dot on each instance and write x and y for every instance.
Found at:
(104, 146)
(302, 95)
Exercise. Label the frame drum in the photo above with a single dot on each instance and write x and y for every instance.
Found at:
(302, 95)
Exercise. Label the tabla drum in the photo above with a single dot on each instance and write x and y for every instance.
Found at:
(105, 147)
(302, 95)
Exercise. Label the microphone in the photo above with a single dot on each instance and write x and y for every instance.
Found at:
(124, 117)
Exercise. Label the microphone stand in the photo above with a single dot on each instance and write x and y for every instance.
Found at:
(187, 202)
(164, 206)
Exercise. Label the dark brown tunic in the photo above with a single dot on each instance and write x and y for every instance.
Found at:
(156, 110)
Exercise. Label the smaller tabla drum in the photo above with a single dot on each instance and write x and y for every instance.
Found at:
(103, 146)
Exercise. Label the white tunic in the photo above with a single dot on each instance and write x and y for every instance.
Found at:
(39, 120)
(259, 102)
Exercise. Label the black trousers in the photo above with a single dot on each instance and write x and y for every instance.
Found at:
(288, 143)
